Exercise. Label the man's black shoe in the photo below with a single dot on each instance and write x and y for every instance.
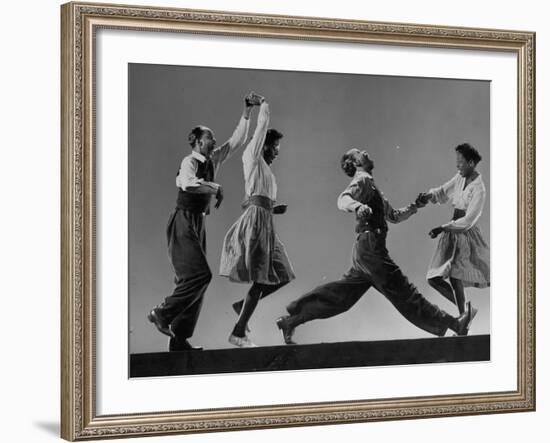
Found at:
(181, 344)
(160, 323)
(286, 329)
(465, 320)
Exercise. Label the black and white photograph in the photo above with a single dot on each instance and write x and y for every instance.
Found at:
(289, 220)
(276, 218)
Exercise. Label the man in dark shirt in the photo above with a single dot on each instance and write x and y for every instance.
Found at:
(372, 265)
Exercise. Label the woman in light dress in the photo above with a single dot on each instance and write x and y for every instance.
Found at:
(252, 252)
(461, 258)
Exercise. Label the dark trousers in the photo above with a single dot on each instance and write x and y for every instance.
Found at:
(187, 250)
(371, 267)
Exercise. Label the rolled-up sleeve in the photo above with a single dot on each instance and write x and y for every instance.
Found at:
(347, 200)
(187, 179)
(473, 213)
(442, 194)
(187, 175)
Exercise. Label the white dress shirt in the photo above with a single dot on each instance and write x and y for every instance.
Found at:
(258, 177)
(470, 199)
(187, 176)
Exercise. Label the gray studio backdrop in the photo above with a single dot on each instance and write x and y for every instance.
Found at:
(409, 125)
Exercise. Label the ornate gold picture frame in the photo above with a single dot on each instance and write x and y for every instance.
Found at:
(80, 419)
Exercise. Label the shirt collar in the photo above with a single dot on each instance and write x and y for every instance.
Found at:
(198, 156)
(363, 173)
(475, 180)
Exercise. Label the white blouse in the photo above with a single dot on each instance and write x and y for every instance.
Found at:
(258, 177)
(470, 199)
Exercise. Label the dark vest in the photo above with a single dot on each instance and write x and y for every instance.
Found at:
(372, 197)
(197, 202)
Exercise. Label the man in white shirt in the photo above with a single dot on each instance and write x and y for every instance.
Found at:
(177, 316)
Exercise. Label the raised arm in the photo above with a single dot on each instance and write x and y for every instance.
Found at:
(254, 150)
(237, 139)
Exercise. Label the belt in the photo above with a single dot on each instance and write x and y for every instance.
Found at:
(193, 211)
(377, 231)
(258, 200)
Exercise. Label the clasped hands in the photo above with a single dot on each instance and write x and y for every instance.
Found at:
(422, 199)
(253, 99)
(364, 211)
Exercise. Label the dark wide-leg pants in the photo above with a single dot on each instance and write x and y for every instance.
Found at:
(187, 250)
(371, 267)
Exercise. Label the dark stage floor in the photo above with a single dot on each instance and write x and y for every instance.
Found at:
(312, 356)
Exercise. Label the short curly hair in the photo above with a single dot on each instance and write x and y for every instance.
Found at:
(348, 164)
(469, 152)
